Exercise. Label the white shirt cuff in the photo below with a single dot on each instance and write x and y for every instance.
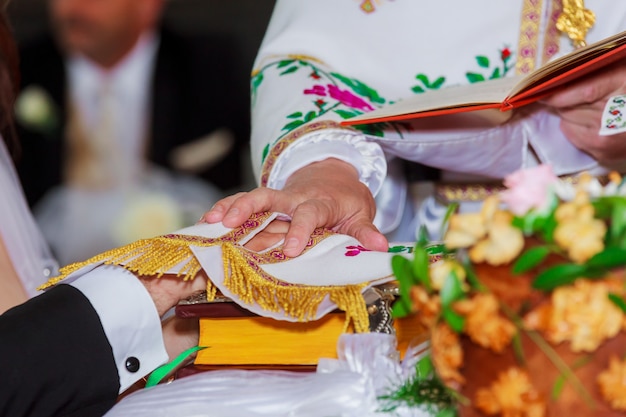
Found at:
(367, 157)
(129, 318)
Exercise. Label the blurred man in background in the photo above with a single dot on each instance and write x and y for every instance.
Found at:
(114, 109)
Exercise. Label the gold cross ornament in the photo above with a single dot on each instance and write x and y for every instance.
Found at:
(575, 21)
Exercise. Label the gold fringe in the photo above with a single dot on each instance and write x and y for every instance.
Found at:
(147, 257)
(252, 285)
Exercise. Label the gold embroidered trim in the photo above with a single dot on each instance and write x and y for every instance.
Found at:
(575, 21)
(251, 284)
(243, 274)
(287, 140)
(528, 36)
(552, 34)
(277, 255)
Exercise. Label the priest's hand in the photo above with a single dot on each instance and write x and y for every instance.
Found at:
(580, 107)
(323, 194)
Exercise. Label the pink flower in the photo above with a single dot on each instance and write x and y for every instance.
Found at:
(348, 98)
(318, 90)
(528, 189)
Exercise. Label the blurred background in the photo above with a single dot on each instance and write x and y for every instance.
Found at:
(194, 152)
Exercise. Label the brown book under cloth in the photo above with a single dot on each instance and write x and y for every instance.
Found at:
(236, 337)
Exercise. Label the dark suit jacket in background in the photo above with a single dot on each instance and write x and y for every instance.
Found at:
(195, 91)
(55, 359)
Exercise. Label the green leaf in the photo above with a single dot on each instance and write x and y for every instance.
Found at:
(293, 125)
(451, 290)
(618, 220)
(422, 237)
(289, 70)
(495, 74)
(482, 61)
(424, 367)
(402, 270)
(417, 89)
(471, 276)
(562, 379)
(450, 210)
(421, 266)
(446, 412)
(400, 309)
(559, 275)
(610, 257)
(518, 349)
(346, 114)
(360, 88)
(454, 320)
(310, 116)
(618, 301)
(374, 129)
(285, 62)
(473, 77)
(295, 115)
(530, 259)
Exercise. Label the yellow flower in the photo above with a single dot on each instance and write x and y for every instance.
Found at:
(440, 270)
(581, 314)
(577, 231)
(511, 395)
(483, 323)
(502, 244)
(612, 384)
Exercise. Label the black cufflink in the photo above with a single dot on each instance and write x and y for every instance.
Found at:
(132, 364)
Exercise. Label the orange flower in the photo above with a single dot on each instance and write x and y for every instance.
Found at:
(612, 384)
(426, 307)
(447, 354)
(511, 395)
(483, 323)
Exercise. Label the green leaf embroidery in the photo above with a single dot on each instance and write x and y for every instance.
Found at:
(530, 259)
(266, 150)
(417, 89)
(360, 88)
(295, 115)
(495, 73)
(473, 77)
(310, 116)
(482, 61)
(293, 125)
(284, 63)
(438, 83)
(346, 114)
(289, 70)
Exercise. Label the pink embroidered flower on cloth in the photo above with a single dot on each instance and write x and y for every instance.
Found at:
(528, 189)
(355, 250)
(343, 96)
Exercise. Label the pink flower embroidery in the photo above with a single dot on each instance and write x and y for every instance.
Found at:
(355, 250)
(348, 98)
(318, 90)
(528, 189)
(344, 96)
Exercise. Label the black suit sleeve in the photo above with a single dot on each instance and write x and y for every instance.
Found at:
(55, 359)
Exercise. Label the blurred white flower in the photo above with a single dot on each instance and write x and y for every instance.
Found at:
(147, 215)
(35, 109)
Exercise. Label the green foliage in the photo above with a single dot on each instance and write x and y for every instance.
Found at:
(530, 259)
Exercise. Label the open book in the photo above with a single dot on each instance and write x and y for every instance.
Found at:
(503, 94)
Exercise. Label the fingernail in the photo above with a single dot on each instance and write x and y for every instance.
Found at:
(290, 244)
(232, 213)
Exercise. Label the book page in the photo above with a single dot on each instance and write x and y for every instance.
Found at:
(455, 98)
